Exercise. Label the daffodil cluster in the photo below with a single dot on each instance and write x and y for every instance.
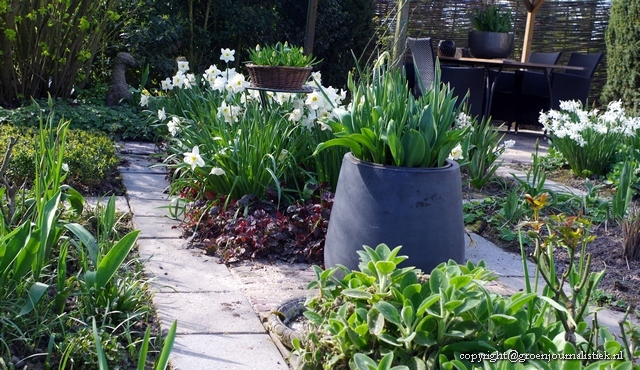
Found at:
(574, 122)
(588, 139)
(306, 108)
(226, 137)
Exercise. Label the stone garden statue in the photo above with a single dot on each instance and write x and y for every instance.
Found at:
(119, 90)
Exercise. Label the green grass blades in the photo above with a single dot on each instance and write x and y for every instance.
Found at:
(163, 360)
(102, 359)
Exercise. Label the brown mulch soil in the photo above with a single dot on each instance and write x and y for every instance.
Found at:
(620, 285)
(112, 184)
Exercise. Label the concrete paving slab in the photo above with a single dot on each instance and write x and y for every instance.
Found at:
(137, 147)
(174, 268)
(508, 172)
(524, 144)
(142, 164)
(175, 248)
(156, 227)
(152, 207)
(159, 194)
(145, 182)
(270, 286)
(503, 262)
(226, 352)
(208, 312)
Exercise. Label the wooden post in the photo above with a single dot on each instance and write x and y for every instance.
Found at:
(400, 37)
(532, 8)
(528, 36)
(312, 13)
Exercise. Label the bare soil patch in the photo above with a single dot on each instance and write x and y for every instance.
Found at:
(620, 286)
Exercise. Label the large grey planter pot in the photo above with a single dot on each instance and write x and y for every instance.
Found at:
(418, 208)
(490, 45)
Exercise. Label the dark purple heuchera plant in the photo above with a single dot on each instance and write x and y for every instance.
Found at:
(253, 228)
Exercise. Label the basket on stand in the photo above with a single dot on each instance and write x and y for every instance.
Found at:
(278, 77)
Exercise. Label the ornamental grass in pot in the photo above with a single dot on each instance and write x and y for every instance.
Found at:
(279, 67)
(491, 37)
(398, 184)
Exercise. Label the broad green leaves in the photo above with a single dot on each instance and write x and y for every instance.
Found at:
(387, 125)
(385, 317)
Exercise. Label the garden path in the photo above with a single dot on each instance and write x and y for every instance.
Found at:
(221, 309)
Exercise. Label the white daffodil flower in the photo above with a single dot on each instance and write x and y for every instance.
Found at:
(162, 115)
(219, 83)
(212, 71)
(456, 153)
(183, 66)
(227, 55)
(166, 84)
(193, 158)
(178, 79)
(217, 171)
(174, 125)
(237, 83)
(144, 100)
(295, 115)
(315, 100)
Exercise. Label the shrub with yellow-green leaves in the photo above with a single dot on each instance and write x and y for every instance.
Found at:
(89, 156)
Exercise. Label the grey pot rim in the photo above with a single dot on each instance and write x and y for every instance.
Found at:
(353, 159)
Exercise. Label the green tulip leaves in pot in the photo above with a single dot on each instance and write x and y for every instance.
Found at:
(384, 124)
(398, 184)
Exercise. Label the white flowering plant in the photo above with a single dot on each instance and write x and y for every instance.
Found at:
(384, 124)
(589, 139)
(222, 140)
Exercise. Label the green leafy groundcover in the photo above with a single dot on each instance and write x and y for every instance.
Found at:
(389, 317)
(89, 156)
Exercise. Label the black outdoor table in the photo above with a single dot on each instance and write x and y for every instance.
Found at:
(501, 64)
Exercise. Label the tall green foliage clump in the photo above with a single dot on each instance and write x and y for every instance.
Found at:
(49, 46)
(623, 55)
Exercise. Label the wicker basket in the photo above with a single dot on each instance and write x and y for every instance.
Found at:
(281, 78)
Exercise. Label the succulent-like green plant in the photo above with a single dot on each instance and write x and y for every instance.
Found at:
(386, 317)
(281, 54)
(492, 18)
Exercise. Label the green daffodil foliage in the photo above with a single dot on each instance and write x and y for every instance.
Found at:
(386, 124)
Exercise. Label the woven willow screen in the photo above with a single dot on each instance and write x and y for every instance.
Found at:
(560, 25)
